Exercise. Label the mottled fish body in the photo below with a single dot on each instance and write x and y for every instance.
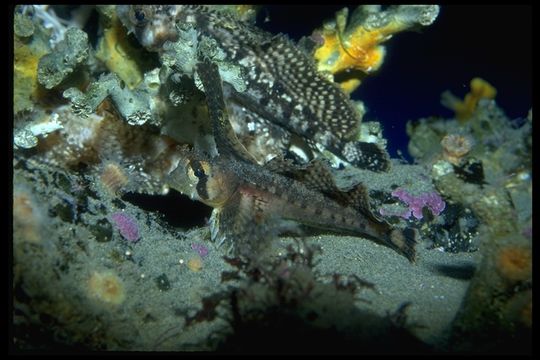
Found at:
(284, 96)
(251, 201)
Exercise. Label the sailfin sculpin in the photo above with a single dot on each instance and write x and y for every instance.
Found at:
(253, 204)
(281, 98)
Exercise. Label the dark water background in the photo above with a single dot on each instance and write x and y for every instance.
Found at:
(493, 42)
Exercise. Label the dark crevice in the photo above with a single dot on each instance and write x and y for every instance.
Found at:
(176, 209)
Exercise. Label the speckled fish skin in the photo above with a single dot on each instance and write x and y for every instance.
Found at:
(283, 85)
(251, 202)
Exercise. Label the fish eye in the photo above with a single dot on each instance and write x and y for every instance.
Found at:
(199, 172)
(198, 169)
(140, 15)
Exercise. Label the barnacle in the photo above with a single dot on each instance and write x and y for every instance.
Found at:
(28, 49)
(68, 54)
(135, 106)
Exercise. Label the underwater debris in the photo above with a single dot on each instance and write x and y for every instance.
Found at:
(353, 48)
(480, 89)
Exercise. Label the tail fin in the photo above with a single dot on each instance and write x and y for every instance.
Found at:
(404, 241)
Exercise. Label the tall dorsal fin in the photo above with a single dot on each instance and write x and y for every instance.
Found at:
(327, 108)
(333, 120)
(281, 165)
(358, 198)
(316, 175)
(226, 140)
(361, 154)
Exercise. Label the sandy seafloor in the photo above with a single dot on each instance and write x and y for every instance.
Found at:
(163, 280)
(78, 285)
(435, 285)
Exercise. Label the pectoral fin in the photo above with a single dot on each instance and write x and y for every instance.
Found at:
(244, 224)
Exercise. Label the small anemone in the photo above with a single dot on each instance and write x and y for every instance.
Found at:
(455, 147)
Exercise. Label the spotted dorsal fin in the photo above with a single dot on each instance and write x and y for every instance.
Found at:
(322, 103)
(312, 99)
(363, 155)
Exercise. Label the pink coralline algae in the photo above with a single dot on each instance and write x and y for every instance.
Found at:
(200, 249)
(127, 226)
(432, 200)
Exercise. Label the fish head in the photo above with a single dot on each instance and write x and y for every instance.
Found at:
(202, 179)
(152, 25)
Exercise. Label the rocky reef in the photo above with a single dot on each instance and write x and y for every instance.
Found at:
(110, 254)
